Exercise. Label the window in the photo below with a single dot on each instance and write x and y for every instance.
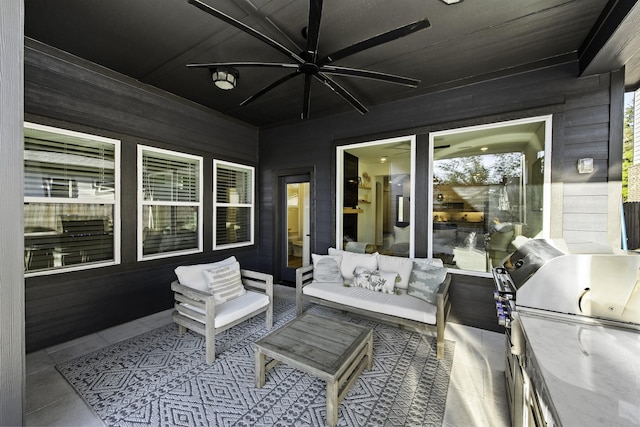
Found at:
(169, 203)
(488, 189)
(233, 205)
(375, 192)
(71, 200)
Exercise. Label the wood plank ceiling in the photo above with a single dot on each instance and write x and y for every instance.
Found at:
(153, 40)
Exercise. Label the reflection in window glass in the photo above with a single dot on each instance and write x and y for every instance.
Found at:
(233, 204)
(69, 199)
(487, 191)
(170, 211)
(169, 228)
(376, 205)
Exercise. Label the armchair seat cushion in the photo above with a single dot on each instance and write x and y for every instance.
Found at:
(236, 308)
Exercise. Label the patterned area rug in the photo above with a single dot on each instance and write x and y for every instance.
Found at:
(161, 379)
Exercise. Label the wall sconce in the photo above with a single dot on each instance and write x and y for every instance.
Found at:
(449, 2)
(225, 77)
(440, 197)
(585, 165)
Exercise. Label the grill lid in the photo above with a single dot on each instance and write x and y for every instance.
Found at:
(527, 259)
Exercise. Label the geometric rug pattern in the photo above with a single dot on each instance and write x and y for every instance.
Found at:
(160, 378)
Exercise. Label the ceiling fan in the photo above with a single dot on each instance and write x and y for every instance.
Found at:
(310, 64)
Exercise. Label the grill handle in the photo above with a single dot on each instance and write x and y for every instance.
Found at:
(584, 292)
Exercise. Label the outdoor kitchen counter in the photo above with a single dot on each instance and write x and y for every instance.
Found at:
(588, 374)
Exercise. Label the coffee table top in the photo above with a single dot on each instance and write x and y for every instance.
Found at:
(318, 345)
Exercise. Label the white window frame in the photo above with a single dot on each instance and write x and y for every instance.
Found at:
(250, 169)
(84, 200)
(340, 182)
(142, 149)
(546, 197)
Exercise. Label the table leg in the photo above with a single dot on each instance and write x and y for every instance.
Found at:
(332, 403)
(370, 352)
(259, 367)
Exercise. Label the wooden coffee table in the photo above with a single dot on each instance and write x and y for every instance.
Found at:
(332, 350)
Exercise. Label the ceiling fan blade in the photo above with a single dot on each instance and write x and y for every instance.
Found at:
(306, 99)
(313, 29)
(268, 88)
(243, 64)
(376, 40)
(373, 75)
(334, 86)
(239, 25)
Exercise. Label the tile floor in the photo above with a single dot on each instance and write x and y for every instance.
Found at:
(476, 395)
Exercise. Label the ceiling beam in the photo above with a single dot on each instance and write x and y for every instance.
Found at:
(612, 42)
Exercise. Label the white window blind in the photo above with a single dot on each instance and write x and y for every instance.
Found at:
(71, 216)
(170, 207)
(233, 204)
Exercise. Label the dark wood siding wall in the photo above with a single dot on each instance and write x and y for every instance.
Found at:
(61, 90)
(581, 126)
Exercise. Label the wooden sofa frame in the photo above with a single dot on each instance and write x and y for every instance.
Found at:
(203, 324)
(304, 277)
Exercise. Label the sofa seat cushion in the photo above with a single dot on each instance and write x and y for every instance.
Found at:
(401, 305)
(236, 308)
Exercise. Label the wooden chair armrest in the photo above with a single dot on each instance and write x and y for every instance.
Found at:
(189, 291)
(304, 276)
(258, 280)
(443, 290)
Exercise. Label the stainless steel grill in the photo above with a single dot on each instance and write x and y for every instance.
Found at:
(572, 316)
(582, 280)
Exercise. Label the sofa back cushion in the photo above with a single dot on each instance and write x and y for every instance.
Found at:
(400, 265)
(326, 268)
(352, 260)
(192, 275)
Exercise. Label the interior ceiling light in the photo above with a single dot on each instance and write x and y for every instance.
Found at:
(383, 159)
(451, 1)
(225, 77)
(484, 148)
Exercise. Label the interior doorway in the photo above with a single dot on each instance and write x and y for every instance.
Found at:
(295, 225)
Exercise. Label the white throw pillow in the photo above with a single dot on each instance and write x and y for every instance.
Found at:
(380, 281)
(225, 282)
(191, 275)
(326, 268)
(400, 265)
(352, 260)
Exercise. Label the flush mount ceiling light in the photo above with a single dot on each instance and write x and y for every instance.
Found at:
(224, 77)
(451, 1)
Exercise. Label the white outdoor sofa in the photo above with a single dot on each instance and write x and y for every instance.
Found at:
(398, 308)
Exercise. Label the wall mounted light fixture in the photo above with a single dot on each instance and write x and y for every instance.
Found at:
(225, 77)
(451, 1)
(585, 165)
